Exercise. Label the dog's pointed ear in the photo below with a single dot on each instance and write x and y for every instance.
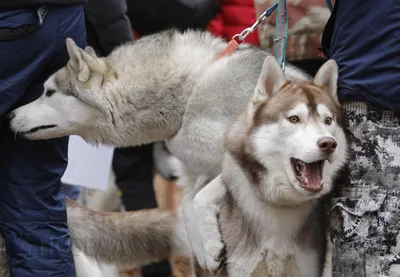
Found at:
(84, 62)
(90, 51)
(93, 63)
(327, 78)
(74, 53)
(271, 79)
(76, 61)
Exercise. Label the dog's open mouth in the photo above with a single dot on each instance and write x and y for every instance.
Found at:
(309, 175)
(38, 128)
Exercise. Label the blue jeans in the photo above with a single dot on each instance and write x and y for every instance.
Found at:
(33, 218)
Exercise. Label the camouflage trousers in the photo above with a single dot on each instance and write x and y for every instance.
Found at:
(365, 214)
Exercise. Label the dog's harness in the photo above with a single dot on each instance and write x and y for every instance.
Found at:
(281, 32)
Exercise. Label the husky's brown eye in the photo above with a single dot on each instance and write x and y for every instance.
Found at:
(50, 92)
(294, 119)
(328, 120)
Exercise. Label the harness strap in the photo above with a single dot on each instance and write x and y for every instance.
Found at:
(232, 47)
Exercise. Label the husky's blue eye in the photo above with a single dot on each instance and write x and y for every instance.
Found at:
(294, 119)
(50, 92)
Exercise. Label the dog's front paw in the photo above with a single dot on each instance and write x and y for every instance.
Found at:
(213, 245)
(206, 206)
(214, 254)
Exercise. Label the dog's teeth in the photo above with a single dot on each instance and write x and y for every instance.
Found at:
(306, 180)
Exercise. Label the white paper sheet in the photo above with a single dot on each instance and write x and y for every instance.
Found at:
(88, 166)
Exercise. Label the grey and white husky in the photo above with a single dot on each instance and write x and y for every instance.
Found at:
(267, 143)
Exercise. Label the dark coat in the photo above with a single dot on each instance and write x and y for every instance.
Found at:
(148, 17)
(363, 37)
(107, 24)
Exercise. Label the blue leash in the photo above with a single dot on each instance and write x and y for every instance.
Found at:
(270, 10)
(281, 33)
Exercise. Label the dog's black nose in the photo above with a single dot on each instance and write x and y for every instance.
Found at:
(11, 115)
(327, 145)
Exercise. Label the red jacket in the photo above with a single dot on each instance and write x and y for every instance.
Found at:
(235, 16)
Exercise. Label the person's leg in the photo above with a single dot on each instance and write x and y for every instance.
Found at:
(32, 204)
(134, 174)
(365, 221)
(133, 169)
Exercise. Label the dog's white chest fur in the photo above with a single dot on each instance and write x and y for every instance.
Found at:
(277, 249)
(271, 265)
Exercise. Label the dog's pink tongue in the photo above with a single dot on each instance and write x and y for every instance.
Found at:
(312, 173)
